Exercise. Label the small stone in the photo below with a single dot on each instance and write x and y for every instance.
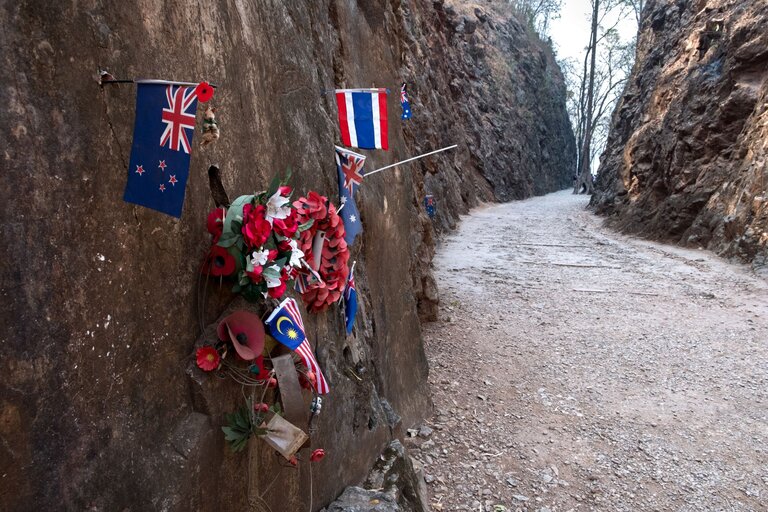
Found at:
(425, 431)
(520, 497)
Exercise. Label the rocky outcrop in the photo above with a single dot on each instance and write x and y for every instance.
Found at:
(687, 153)
(100, 297)
(396, 483)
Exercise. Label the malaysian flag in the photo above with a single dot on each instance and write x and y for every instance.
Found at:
(286, 326)
(350, 169)
(363, 118)
(162, 140)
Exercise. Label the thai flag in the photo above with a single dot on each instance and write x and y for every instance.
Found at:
(363, 118)
(292, 335)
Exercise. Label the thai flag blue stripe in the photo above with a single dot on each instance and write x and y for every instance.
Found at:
(366, 139)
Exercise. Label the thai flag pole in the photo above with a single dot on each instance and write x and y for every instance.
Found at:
(409, 160)
(403, 162)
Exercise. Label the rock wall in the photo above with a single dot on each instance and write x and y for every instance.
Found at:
(686, 158)
(99, 308)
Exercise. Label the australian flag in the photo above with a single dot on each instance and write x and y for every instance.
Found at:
(287, 327)
(162, 141)
(363, 118)
(404, 102)
(350, 301)
(350, 168)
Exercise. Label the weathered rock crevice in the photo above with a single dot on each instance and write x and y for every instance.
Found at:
(687, 154)
(100, 297)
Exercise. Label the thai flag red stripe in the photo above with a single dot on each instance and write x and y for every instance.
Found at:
(305, 349)
(384, 124)
(341, 102)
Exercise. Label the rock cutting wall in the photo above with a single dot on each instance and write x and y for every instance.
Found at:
(686, 157)
(99, 296)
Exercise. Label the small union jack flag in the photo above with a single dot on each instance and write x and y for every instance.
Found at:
(404, 102)
(350, 170)
(178, 117)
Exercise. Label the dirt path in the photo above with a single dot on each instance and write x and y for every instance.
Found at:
(577, 369)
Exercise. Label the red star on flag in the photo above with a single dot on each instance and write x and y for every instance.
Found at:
(173, 180)
(162, 165)
(162, 188)
(140, 170)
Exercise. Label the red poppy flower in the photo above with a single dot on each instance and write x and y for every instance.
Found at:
(204, 92)
(256, 228)
(215, 223)
(288, 226)
(285, 190)
(219, 262)
(208, 358)
(256, 274)
(277, 291)
(317, 455)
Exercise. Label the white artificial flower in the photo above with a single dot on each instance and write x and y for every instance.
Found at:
(260, 257)
(276, 208)
(296, 254)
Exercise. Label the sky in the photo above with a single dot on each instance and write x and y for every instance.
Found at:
(570, 33)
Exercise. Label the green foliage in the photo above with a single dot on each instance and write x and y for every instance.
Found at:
(242, 424)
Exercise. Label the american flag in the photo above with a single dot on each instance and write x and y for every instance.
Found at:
(304, 350)
(178, 116)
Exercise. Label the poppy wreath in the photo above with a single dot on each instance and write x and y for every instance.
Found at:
(332, 271)
(255, 242)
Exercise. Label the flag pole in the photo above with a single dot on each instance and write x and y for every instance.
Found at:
(409, 160)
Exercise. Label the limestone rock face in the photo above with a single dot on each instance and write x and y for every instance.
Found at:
(688, 147)
(100, 298)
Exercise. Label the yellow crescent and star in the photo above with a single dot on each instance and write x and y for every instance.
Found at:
(292, 333)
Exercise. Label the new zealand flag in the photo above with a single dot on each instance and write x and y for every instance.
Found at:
(350, 168)
(162, 141)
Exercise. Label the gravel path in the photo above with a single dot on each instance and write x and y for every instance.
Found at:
(576, 369)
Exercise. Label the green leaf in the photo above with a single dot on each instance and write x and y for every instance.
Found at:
(271, 273)
(306, 225)
(228, 240)
(281, 262)
(235, 213)
(231, 435)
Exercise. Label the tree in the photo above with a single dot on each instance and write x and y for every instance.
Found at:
(537, 13)
(637, 7)
(585, 170)
(596, 90)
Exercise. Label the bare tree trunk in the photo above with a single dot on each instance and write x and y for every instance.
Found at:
(585, 172)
